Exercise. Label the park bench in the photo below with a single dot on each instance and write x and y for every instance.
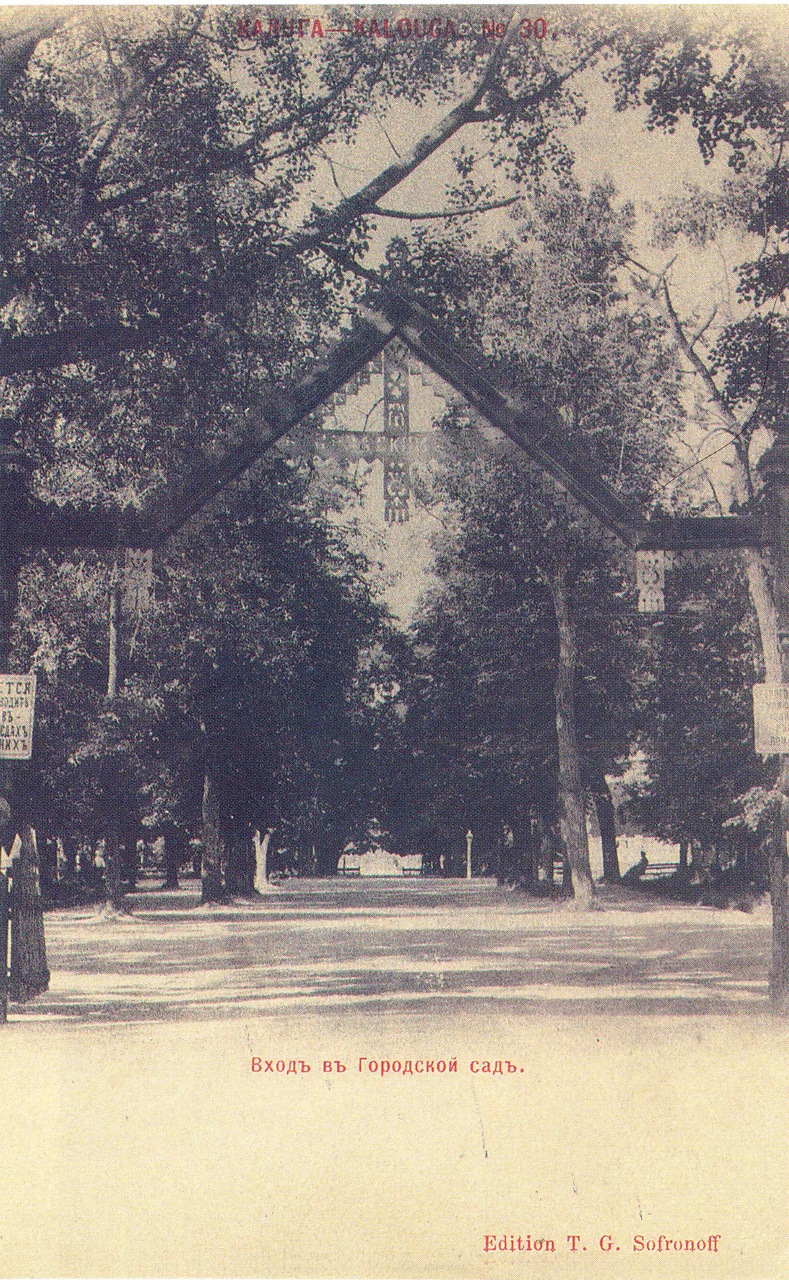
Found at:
(653, 871)
(659, 871)
(349, 868)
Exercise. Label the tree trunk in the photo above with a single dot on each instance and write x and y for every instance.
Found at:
(572, 802)
(49, 868)
(9, 596)
(521, 853)
(779, 896)
(113, 854)
(213, 887)
(113, 877)
(774, 467)
(532, 856)
(261, 859)
(87, 859)
(69, 857)
(766, 614)
(606, 820)
(113, 634)
(130, 862)
(14, 486)
(545, 854)
(240, 874)
(29, 975)
(567, 873)
(234, 873)
(684, 866)
(172, 848)
(506, 858)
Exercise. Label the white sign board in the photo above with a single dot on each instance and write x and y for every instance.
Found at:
(771, 718)
(17, 704)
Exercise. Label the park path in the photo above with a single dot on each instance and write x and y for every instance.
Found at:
(179, 1092)
(405, 947)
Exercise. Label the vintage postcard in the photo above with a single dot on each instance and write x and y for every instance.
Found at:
(394, 641)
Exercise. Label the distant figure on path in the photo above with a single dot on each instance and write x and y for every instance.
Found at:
(634, 874)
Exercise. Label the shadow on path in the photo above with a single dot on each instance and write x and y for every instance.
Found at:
(405, 947)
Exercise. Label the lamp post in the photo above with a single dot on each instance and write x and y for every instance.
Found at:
(469, 838)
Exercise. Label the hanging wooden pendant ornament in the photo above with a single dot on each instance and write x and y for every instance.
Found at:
(396, 434)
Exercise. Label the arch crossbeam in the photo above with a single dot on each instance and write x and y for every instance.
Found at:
(527, 421)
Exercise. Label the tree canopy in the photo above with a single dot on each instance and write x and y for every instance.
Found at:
(179, 234)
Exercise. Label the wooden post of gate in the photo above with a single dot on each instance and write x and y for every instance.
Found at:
(774, 467)
(15, 469)
(27, 974)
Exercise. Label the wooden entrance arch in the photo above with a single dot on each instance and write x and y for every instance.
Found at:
(29, 523)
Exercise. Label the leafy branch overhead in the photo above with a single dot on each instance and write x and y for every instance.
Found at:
(159, 180)
(188, 218)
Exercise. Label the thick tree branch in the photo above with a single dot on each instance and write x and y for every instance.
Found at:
(518, 106)
(28, 353)
(699, 334)
(444, 213)
(660, 291)
(34, 352)
(739, 430)
(687, 349)
(328, 224)
(389, 178)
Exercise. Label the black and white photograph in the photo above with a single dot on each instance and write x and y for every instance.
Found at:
(394, 641)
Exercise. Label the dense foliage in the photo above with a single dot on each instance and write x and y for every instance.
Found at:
(176, 229)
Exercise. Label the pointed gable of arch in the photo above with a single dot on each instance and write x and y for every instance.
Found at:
(528, 422)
